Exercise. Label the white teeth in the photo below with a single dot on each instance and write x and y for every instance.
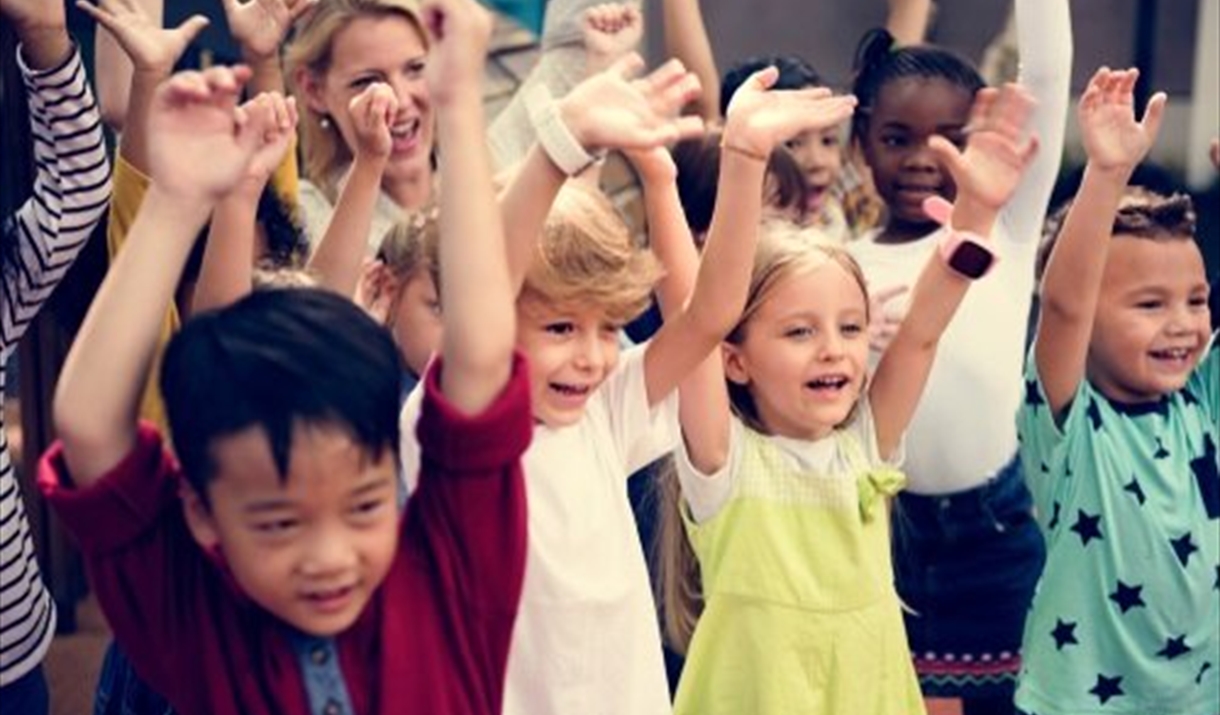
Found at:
(570, 389)
(829, 381)
(405, 130)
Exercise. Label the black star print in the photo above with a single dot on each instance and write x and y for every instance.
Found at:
(1033, 398)
(1108, 688)
(1136, 490)
(1207, 474)
(1174, 647)
(1189, 397)
(1087, 526)
(1054, 522)
(1184, 546)
(1045, 469)
(1064, 634)
(1161, 452)
(1128, 597)
(1094, 414)
(1206, 667)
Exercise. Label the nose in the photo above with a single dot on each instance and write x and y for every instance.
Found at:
(1181, 321)
(591, 353)
(326, 553)
(831, 347)
(921, 158)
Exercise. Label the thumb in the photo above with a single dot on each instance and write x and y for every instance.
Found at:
(191, 28)
(1153, 115)
(947, 154)
(765, 78)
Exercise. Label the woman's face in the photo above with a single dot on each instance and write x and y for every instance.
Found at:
(380, 48)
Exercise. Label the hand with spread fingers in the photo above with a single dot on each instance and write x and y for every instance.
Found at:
(759, 118)
(152, 48)
(1113, 138)
(259, 26)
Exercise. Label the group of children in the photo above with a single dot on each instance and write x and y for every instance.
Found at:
(398, 482)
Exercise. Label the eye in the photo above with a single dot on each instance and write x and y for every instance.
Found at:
(368, 508)
(798, 332)
(852, 329)
(894, 141)
(794, 144)
(560, 328)
(610, 329)
(1149, 305)
(1198, 301)
(363, 81)
(830, 140)
(276, 527)
(415, 68)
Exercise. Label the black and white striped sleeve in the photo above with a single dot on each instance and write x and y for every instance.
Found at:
(71, 193)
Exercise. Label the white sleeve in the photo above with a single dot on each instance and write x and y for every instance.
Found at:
(641, 434)
(865, 428)
(316, 211)
(1044, 39)
(706, 494)
(408, 443)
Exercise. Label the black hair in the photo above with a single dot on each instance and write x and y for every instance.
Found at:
(286, 243)
(794, 73)
(880, 60)
(276, 359)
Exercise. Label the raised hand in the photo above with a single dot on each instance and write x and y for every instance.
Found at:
(610, 32)
(997, 149)
(460, 31)
(200, 142)
(259, 26)
(275, 116)
(611, 111)
(758, 119)
(372, 112)
(152, 48)
(1112, 137)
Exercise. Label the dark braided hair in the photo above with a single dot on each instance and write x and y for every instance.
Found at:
(879, 61)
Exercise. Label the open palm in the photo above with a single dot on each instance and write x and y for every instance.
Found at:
(259, 26)
(1112, 137)
(760, 118)
(611, 110)
(150, 46)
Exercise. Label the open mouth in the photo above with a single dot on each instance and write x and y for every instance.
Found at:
(815, 197)
(828, 384)
(574, 391)
(405, 135)
(1173, 357)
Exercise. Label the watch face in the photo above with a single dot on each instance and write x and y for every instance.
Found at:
(971, 260)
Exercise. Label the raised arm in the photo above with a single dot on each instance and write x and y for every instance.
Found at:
(72, 181)
(908, 20)
(686, 39)
(606, 111)
(1115, 143)
(479, 318)
(226, 273)
(259, 27)
(758, 120)
(338, 259)
(200, 146)
(987, 173)
(1044, 38)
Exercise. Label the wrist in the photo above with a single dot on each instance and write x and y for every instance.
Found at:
(44, 46)
(560, 133)
(740, 140)
(972, 216)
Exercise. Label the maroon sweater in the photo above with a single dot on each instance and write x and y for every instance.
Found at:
(433, 639)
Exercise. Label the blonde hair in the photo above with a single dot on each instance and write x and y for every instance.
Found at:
(411, 247)
(781, 253)
(324, 152)
(587, 257)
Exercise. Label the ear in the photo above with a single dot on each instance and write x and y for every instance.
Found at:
(199, 518)
(735, 367)
(311, 89)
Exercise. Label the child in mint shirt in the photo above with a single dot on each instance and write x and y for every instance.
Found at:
(1118, 438)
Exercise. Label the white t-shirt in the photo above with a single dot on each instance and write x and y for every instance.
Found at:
(706, 494)
(964, 430)
(316, 212)
(586, 639)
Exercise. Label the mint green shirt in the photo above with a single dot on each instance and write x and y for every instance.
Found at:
(1126, 618)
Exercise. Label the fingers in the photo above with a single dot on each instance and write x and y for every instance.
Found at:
(1153, 115)
(190, 28)
(627, 66)
(299, 8)
(764, 79)
(947, 154)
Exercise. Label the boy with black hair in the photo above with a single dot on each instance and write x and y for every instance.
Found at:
(272, 572)
(1118, 438)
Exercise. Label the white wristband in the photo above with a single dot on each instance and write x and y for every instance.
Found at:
(553, 135)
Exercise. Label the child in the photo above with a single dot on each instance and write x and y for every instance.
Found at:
(1118, 437)
(38, 244)
(785, 503)
(283, 579)
(967, 549)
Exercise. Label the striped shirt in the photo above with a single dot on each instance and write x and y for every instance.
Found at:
(71, 193)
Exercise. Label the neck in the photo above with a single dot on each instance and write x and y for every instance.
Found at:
(410, 192)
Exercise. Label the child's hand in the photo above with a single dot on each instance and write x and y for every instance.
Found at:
(610, 32)
(655, 166)
(460, 31)
(611, 111)
(372, 113)
(259, 26)
(758, 119)
(152, 48)
(375, 291)
(997, 152)
(200, 143)
(1112, 137)
(275, 116)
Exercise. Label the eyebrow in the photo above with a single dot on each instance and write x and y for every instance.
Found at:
(268, 505)
(371, 485)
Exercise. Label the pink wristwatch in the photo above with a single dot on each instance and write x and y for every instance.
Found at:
(969, 254)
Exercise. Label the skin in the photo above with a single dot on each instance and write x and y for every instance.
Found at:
(386, 49)
(907, 112)
(417, 322)
(571, 351)
(819, 154)
(812, 325)
(1153, 299)
(311, 548)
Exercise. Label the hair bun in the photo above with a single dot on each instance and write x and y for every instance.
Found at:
(874, 47)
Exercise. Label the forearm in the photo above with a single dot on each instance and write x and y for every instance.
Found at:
(686, 39)
(673, 245)
(228, 261)
(524, 206)
(112, 74)
(478, 296)
(908, 20)
(341, 252)
(134, 142)
(97, 398)
(44, 46)
(268, 74)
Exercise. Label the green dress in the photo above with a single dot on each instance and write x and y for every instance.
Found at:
(801, 614)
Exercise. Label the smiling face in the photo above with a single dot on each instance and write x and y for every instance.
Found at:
(1152, 319)
(416, 321)
(804, 354)
(571, 350)
(820, 157)
(907, 112)
(378, 48)
(311, 548)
